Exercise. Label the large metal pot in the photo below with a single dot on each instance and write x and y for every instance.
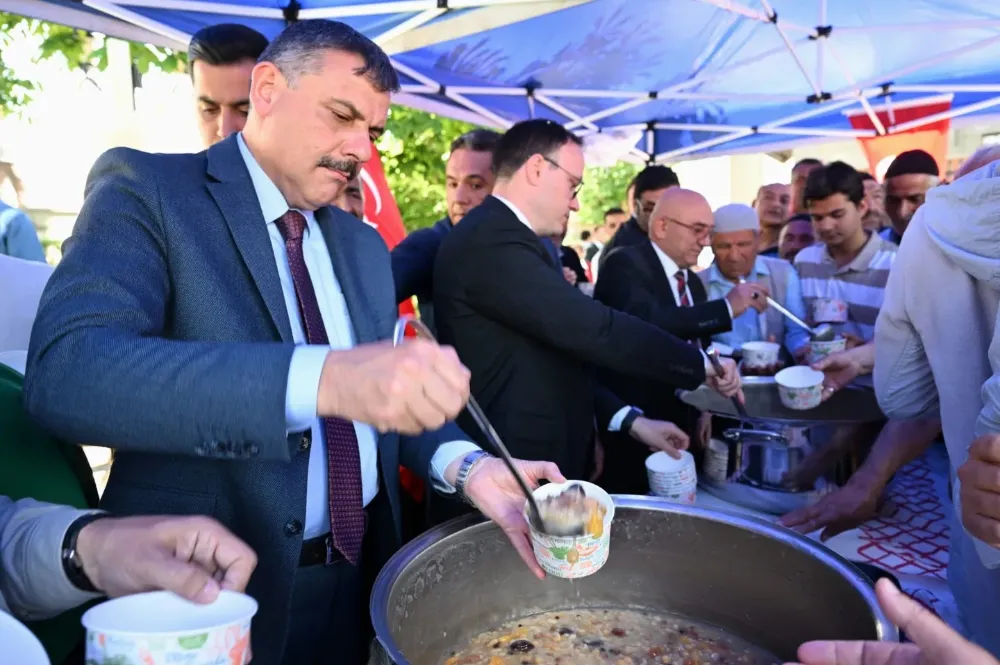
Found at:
(777, 460)
(758, 581)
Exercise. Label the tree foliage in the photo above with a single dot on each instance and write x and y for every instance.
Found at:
(79, 49)
(604, 188)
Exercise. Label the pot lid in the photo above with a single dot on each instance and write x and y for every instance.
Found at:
(853, 405)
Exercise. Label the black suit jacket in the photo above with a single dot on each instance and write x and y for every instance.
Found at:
(413, 267)
(570, 259)
(531, 340)
(627, 235)
(633, 281)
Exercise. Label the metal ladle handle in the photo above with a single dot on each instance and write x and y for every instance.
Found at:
(773, 303)
(399, 334)
(713, 357)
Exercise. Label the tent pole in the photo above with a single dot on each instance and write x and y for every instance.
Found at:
(821, 40)
(559, 108)
(876, 123)
(486, 90)
(905, 27)
(221, 8)
(773, 18)
(600, 115)
(946, 115)
(695, 147)
(742, 10)
(402, 7)
(135, 18)
(704, 78)
(411, 23)
(945, 87)
(469, 104)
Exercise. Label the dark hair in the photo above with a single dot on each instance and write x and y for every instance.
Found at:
(801, 217)
(866, 176)
(613, 211)
(653, 178)
(478, 140)
(808, 161)
(300, 48)
(225, 44)
(834, 178)
(584, 235)
(528, 138)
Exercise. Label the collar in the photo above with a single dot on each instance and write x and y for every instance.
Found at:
(272, 202)
(669, 265)
(863, 260)
(760, 268)
(517, 212)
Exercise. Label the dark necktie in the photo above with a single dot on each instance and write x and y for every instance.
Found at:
(681, 277)
(347, 518)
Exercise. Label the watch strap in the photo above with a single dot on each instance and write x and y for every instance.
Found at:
(630, 419)
(72, 565)
(466, 469)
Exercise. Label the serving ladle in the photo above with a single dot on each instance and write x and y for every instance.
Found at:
(821, 333)
(534, 514)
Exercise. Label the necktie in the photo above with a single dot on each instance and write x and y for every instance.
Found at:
(347, 518)
(682, 292)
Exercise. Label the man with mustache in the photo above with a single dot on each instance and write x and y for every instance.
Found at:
(772, 205)
(468, 180)
(229, 333)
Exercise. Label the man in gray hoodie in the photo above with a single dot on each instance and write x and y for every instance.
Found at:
(931, 341)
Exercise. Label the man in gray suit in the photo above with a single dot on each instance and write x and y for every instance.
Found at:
(224, 329)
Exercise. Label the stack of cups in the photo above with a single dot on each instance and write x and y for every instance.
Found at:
(672, 479)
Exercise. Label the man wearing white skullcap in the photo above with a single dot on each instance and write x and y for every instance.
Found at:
(735, 245)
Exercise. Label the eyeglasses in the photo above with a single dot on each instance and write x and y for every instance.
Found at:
(700, 231)
(572, 178)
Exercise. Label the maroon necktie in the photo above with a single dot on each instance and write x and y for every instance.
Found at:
(347, 518)
(682, 291)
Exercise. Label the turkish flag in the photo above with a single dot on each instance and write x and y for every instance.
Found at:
(382, 213)
(931, 138)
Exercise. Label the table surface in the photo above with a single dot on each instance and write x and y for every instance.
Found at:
(909, 538)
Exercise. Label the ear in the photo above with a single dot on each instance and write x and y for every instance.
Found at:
(266, 84)
(863, 206)
(533, 169)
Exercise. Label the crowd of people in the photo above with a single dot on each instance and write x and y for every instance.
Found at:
(223, 321)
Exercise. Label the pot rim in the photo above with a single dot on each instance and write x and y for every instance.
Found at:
(379, 603)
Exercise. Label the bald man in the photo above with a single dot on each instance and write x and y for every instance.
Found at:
(772, 204)
(653, 280)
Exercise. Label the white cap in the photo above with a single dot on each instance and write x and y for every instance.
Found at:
(736, 217)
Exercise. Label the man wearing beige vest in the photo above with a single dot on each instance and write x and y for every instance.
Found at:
(735, 245)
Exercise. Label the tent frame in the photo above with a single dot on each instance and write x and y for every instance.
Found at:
(793, 36)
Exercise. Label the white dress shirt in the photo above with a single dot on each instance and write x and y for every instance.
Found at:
(302, 393)
(616, 420)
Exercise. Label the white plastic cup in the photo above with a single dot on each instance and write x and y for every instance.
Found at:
(572, 557)
(675, 480)
(161, 628)
(18, 645)
(800, 388)
(820, 350)
(759, 355)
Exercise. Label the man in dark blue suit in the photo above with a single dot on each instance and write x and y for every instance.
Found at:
(225, 330)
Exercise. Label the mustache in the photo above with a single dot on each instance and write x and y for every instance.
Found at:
(346, 166)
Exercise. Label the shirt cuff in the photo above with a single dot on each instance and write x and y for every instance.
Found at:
(616, 420)
(729, 308)
(445, 455)
(302, 391)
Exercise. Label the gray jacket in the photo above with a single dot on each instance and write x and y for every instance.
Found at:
(33, 585)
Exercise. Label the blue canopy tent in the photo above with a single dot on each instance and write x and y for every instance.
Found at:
(683, 78)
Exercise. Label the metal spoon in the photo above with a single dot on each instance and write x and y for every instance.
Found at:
(534, 515)
(821, 333)
(713, 357)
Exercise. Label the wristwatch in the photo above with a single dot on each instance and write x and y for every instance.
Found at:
(72, 565)
(465, 470)
(630, 419)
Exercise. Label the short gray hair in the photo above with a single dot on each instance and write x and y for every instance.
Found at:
(300, 48)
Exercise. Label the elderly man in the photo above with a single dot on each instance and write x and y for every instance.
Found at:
(907, 181)
(875, 218)
(734, 243)
(772, 205)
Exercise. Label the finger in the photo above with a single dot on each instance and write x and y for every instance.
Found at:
(538, 471)
(795, 517)
(448, 365)
(209, 545)
(858, 653)
(681, 441)
(980, 475)
(188, 580)
(670, 450)
(983, 528)
(985, 504)
(986, 448)
(939, 643)
(521, 540)
(442, 396)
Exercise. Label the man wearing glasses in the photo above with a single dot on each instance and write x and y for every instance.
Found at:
(647, 188)
(529, 339)
(654, 281)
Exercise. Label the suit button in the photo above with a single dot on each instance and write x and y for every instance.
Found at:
(293, 528)
(306, 440)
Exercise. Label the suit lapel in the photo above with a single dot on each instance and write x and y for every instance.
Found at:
(230, 185)
(698, 292)
(341, 242)
(659, 275)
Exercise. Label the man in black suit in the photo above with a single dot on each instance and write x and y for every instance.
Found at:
(530, 339)
(646, 189)
(653, 281)
(468, 180)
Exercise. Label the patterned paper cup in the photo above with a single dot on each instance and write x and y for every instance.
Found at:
(573, 557)
(18, 645)
(800, 387)
(757, 355)
(672, 479)
(160, 628)
(829, 310)
(820, 350)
